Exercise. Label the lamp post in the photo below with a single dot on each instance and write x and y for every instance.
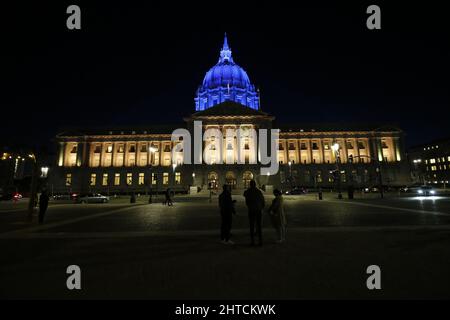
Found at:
(33, 191)
(174, 166)
(152, 152)
(290, 173)
(335, 148)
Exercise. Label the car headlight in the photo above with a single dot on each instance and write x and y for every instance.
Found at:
(432, 192)
(420, 191)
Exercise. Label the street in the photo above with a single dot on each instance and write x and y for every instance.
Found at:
(154, 251)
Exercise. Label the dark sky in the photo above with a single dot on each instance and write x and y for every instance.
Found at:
(136, 64)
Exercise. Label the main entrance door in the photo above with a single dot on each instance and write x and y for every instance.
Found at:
(230, 179)
(213, 180)
(247, 177)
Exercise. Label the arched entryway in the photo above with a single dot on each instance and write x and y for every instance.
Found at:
(246, 178)
(230, 179)
(213, 180)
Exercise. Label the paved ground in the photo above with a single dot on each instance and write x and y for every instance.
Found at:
(154, 251)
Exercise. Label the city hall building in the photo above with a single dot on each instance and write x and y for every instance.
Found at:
(143, 159)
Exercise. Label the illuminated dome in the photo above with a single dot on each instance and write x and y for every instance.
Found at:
(226, 81)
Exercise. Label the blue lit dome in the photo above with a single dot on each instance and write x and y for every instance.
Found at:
(226, 81)
(224, 74)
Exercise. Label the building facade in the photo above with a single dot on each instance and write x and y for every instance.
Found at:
(431, 162)
(150, 159)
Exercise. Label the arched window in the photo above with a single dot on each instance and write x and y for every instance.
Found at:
(247, 177)
(213, 180)
(230, 179)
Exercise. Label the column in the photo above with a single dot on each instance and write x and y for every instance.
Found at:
(309, 145)
(343, 153)
(61, 153)
(321, 152)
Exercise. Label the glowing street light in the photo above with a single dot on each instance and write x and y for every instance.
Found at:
(335, 148)
(44, 172)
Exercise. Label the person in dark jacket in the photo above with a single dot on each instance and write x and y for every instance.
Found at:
(168, 195)
(43, 205)
(226, 205)
(254, 199)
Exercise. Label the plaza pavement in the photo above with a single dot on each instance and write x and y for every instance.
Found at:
(154, 251)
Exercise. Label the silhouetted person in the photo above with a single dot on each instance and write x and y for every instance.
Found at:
(43, 205)
(168, 197)
(254, 199)
(226, 205)
(277, 215)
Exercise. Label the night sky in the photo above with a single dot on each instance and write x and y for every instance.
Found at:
(135, 64)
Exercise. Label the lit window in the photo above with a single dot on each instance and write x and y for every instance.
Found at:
(98, 149)
(105, 179)
(177, 177)
(117, 179)
(432, 160)
(141, 179)
(132, 148)
(129, 179)
(120, 149)
(433, 168)
(93, 179)
(68, 179)
(109, 149)
(154, 179)
(165, 178)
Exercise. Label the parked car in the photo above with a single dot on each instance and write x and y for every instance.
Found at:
(17, 196)
(92, 198)
(296, 190)
(62, 197)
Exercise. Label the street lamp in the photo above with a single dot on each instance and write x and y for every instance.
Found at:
(290, 173)
(44, 172)
(152, 152)
(34, 180)
(335, 148)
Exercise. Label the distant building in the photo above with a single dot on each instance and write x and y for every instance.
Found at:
(122, 160)
(14, 168)
(431, 162)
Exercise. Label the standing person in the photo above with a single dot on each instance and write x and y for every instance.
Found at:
(226, 205)
(254, 199)
(278, 216)
(43, 205)
(168, 197)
